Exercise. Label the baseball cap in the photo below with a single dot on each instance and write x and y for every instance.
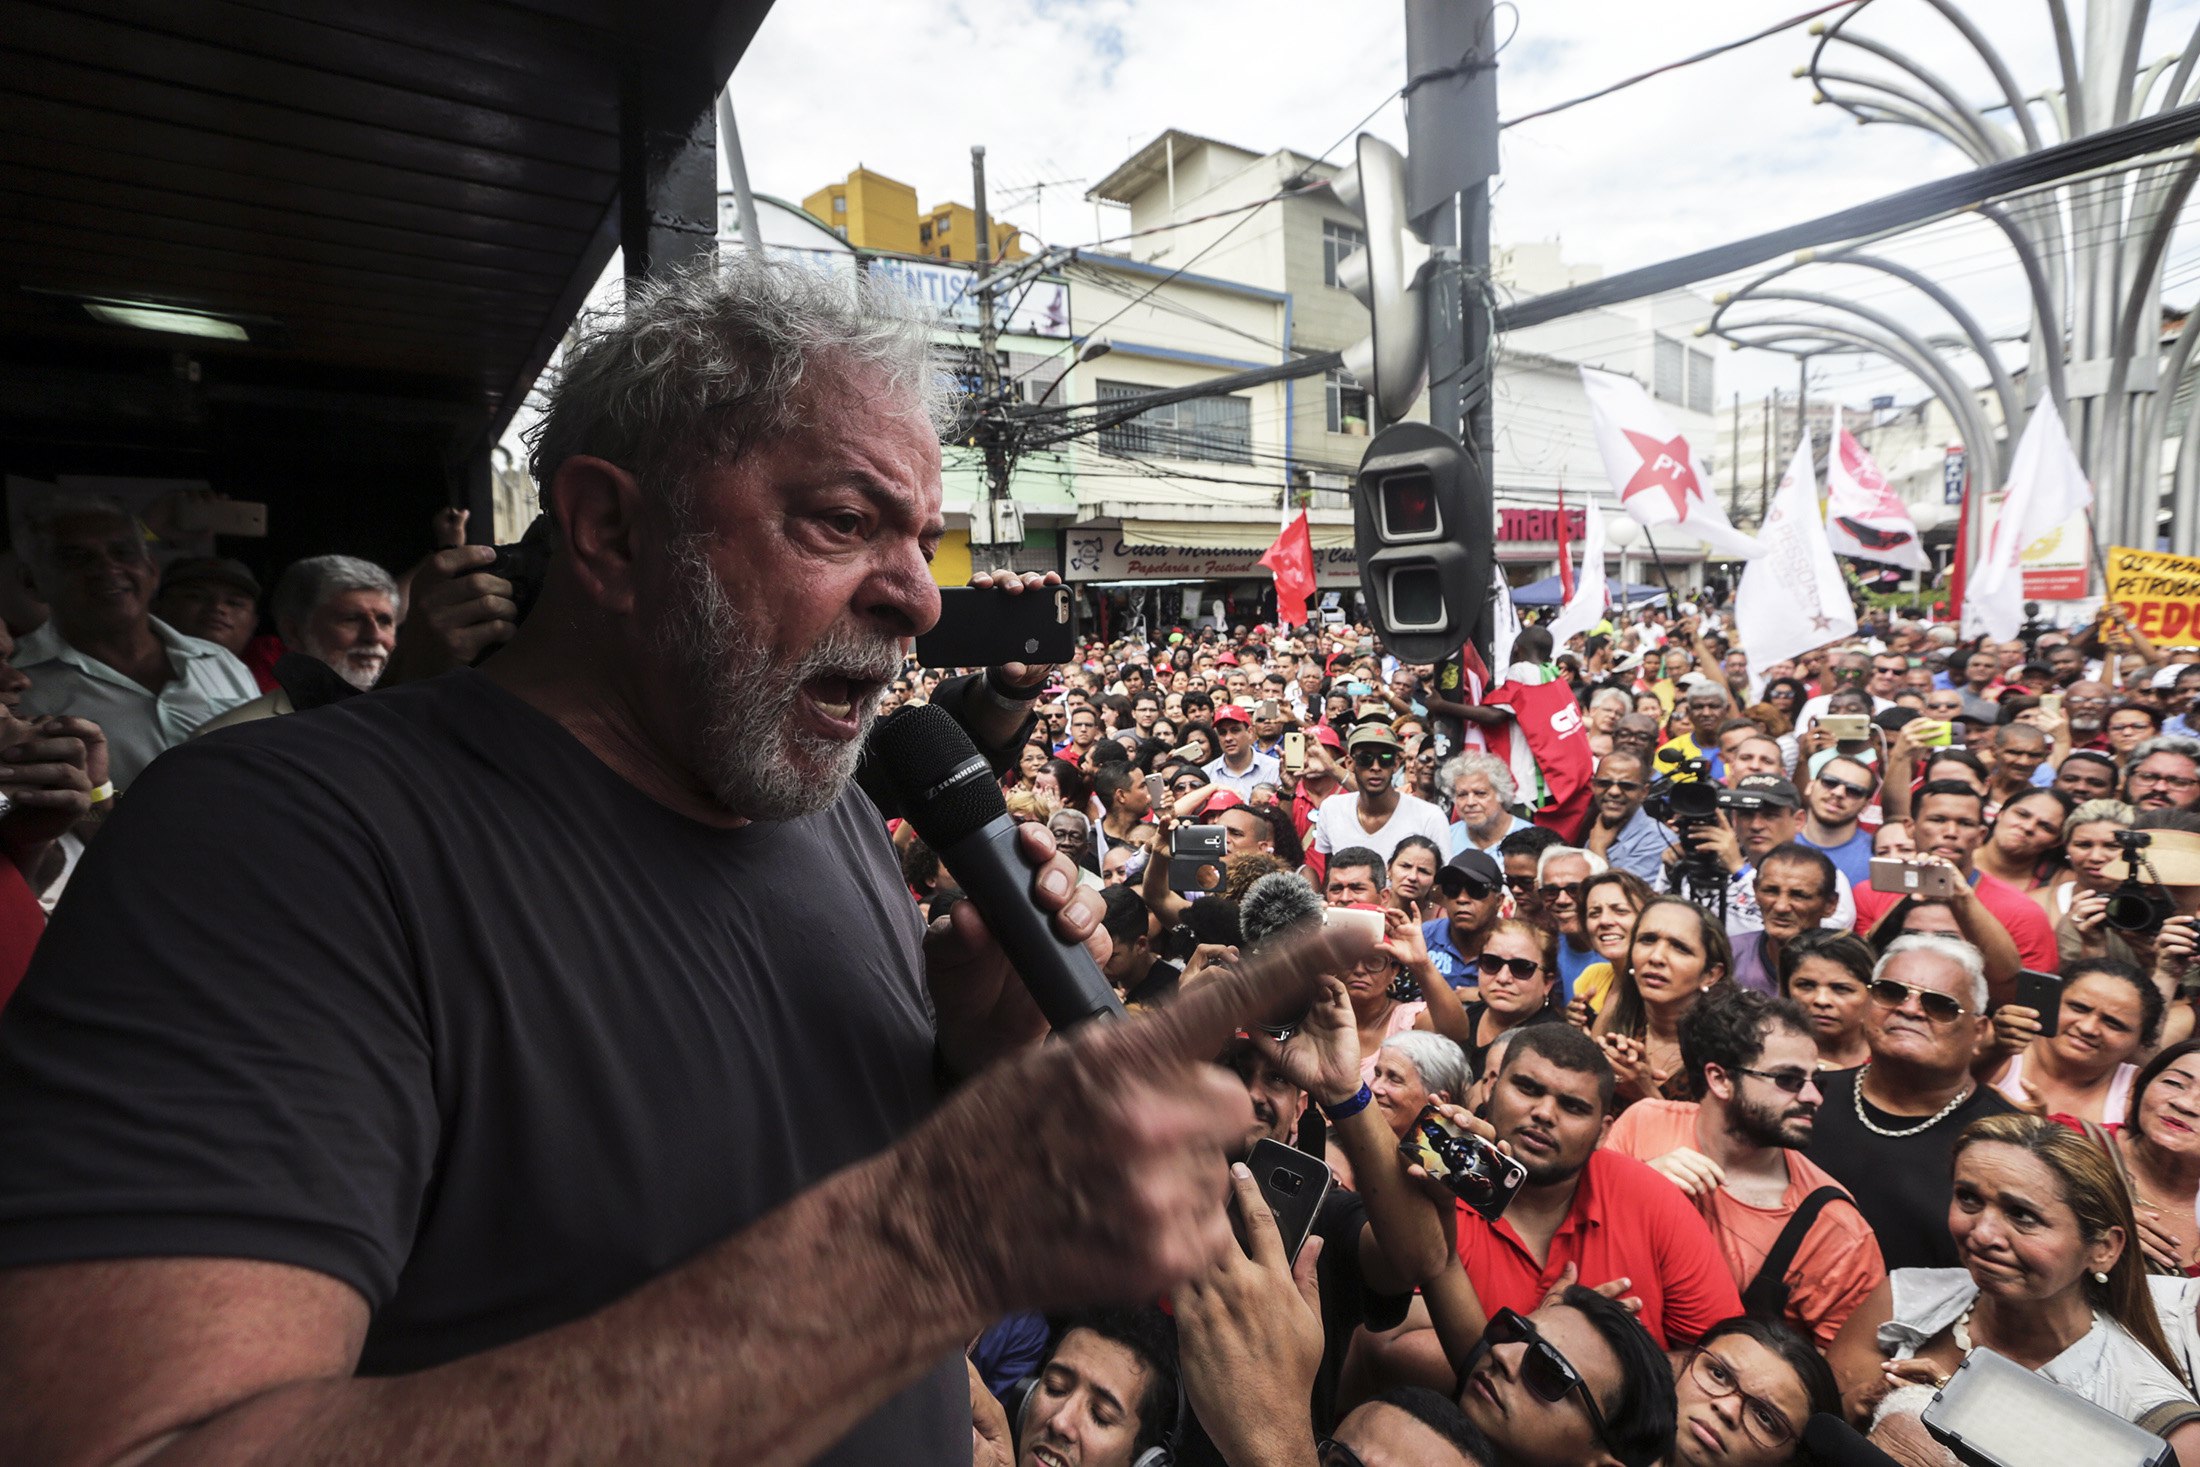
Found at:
(1232, 712)
(1326, 736)
(1469, 867)
(1756, 790)
(197, 569)
(1220, 801)
(1378, 734)
(1979, 710)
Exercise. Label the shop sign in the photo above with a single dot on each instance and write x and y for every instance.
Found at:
(1103, 555)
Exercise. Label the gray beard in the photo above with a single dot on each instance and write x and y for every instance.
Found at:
(342, 663)
(746, 744)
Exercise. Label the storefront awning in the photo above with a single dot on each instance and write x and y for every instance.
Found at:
(1224, 535)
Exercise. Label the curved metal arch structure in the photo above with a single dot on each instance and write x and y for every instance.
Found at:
(2091, 251)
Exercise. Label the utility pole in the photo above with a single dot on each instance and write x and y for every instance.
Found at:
(992, 427)
(1734, 464)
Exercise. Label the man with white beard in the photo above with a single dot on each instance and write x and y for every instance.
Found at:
(435, 1076)
(336, 614)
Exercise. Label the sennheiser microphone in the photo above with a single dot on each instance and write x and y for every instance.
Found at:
(950, 794)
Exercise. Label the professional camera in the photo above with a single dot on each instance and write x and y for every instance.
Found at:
(2139, 903)
(1688, 800)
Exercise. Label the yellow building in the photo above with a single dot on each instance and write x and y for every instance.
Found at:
(874, 212)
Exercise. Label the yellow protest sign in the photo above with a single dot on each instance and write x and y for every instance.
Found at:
(2159, 592)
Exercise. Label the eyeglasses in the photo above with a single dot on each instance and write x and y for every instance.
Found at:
(1625, 786)
(1766, 1424)
(1570, 890)
(1330, 1452)
(1790, 1081)
(1543, 1370)
(1490, 965)
(1374, 758)
(2142, 779)
(1893, 994)
(1843, 787)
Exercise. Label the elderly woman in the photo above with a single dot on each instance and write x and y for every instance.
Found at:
(2109, 1013)
(1607, 706)
(1517, 975)
(2052, 1278)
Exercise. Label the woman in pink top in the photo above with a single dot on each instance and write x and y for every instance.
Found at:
(2109, 1013)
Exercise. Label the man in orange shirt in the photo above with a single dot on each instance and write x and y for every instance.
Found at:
(1791, 1236)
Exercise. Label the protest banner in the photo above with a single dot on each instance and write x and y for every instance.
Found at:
(2159, 592)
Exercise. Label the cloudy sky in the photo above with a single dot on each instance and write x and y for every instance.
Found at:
(1059, 92)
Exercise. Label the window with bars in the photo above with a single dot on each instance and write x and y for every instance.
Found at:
(1699, 381)
(1669, 371)
(1347, 403)
(1338, 241)
(1216, 429)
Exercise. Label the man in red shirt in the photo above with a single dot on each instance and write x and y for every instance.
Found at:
(1606, 1214)
(1949, 821)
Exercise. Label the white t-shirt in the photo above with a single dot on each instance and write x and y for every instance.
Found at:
(1337, 825)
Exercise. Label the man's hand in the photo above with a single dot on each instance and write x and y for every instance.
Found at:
(1719, 840)
(1032, 675)
(1610, 1289)
(1323, 1057)
(1251, 1341)
(992, 1444)
(1091, 1170)
(45, 772)
(1690, 1170)
(984, 1009)
(457, 611)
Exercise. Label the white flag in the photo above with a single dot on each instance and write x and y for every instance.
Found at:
(1586, 608)
(1652, 468)
(1865, 518)
(2047, 487)
(1792, 598)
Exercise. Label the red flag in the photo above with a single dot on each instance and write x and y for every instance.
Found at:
(1565, 552)
(1291, 561)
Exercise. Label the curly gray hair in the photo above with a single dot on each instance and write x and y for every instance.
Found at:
(712, 360)
(1477, 761)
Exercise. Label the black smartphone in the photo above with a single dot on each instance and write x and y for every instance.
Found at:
(2042, 993)
(985, 627)
(1195, 857)
(1475, 1171)
(1293, 1185)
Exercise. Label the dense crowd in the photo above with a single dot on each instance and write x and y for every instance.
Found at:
(593, 1061)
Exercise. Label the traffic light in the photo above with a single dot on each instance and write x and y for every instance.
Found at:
(1392, 364)
(1425, 542)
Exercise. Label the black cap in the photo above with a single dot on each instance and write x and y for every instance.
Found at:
(1755, 790)
(1470, 866)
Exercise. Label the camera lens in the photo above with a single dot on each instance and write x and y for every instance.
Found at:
(1288, 1183)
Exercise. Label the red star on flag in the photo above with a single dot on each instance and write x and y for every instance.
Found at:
(1664, 466)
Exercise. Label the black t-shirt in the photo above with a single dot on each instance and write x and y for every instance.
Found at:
(414, 991)
(1901, 1185)
(1347, 1304)
(1478, 1055)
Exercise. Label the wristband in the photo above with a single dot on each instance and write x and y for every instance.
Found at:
(1006, 693)
(104, 793)
(1346, 1110)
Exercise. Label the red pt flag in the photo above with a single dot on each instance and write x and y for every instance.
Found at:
(1291, 561)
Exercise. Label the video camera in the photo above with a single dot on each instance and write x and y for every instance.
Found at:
(2139, 903)
(1686, 799)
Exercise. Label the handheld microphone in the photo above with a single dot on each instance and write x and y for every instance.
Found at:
(949, 793)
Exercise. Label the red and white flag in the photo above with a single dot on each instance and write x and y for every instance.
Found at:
(1291, 560)
(2047, 489)
(1792, 598)
(1565, 553)
(1653, 470)
(1586, 603)
(1865, 518)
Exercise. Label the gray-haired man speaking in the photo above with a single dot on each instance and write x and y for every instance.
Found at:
(493, 1074)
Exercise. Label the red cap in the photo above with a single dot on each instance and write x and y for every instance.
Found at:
(1230, 711)
(1227, 659)
(1326, 736)
(1220, 801)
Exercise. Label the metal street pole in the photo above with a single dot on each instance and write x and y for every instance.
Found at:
(991, 422)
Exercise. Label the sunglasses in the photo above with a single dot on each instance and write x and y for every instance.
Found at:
(1892, 994)
(1490, 965)
(1467, 886)
(1625, 786)
(1543, 1370)
(1520, 885)
(1330, 1452)
(1844, 787)
(1374, 759)
(1789, 1081)
(1570, 890)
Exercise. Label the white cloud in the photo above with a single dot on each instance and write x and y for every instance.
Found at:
(1061, 90)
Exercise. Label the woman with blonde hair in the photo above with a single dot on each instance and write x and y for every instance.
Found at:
(1675, 952)
(2052, 1278)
